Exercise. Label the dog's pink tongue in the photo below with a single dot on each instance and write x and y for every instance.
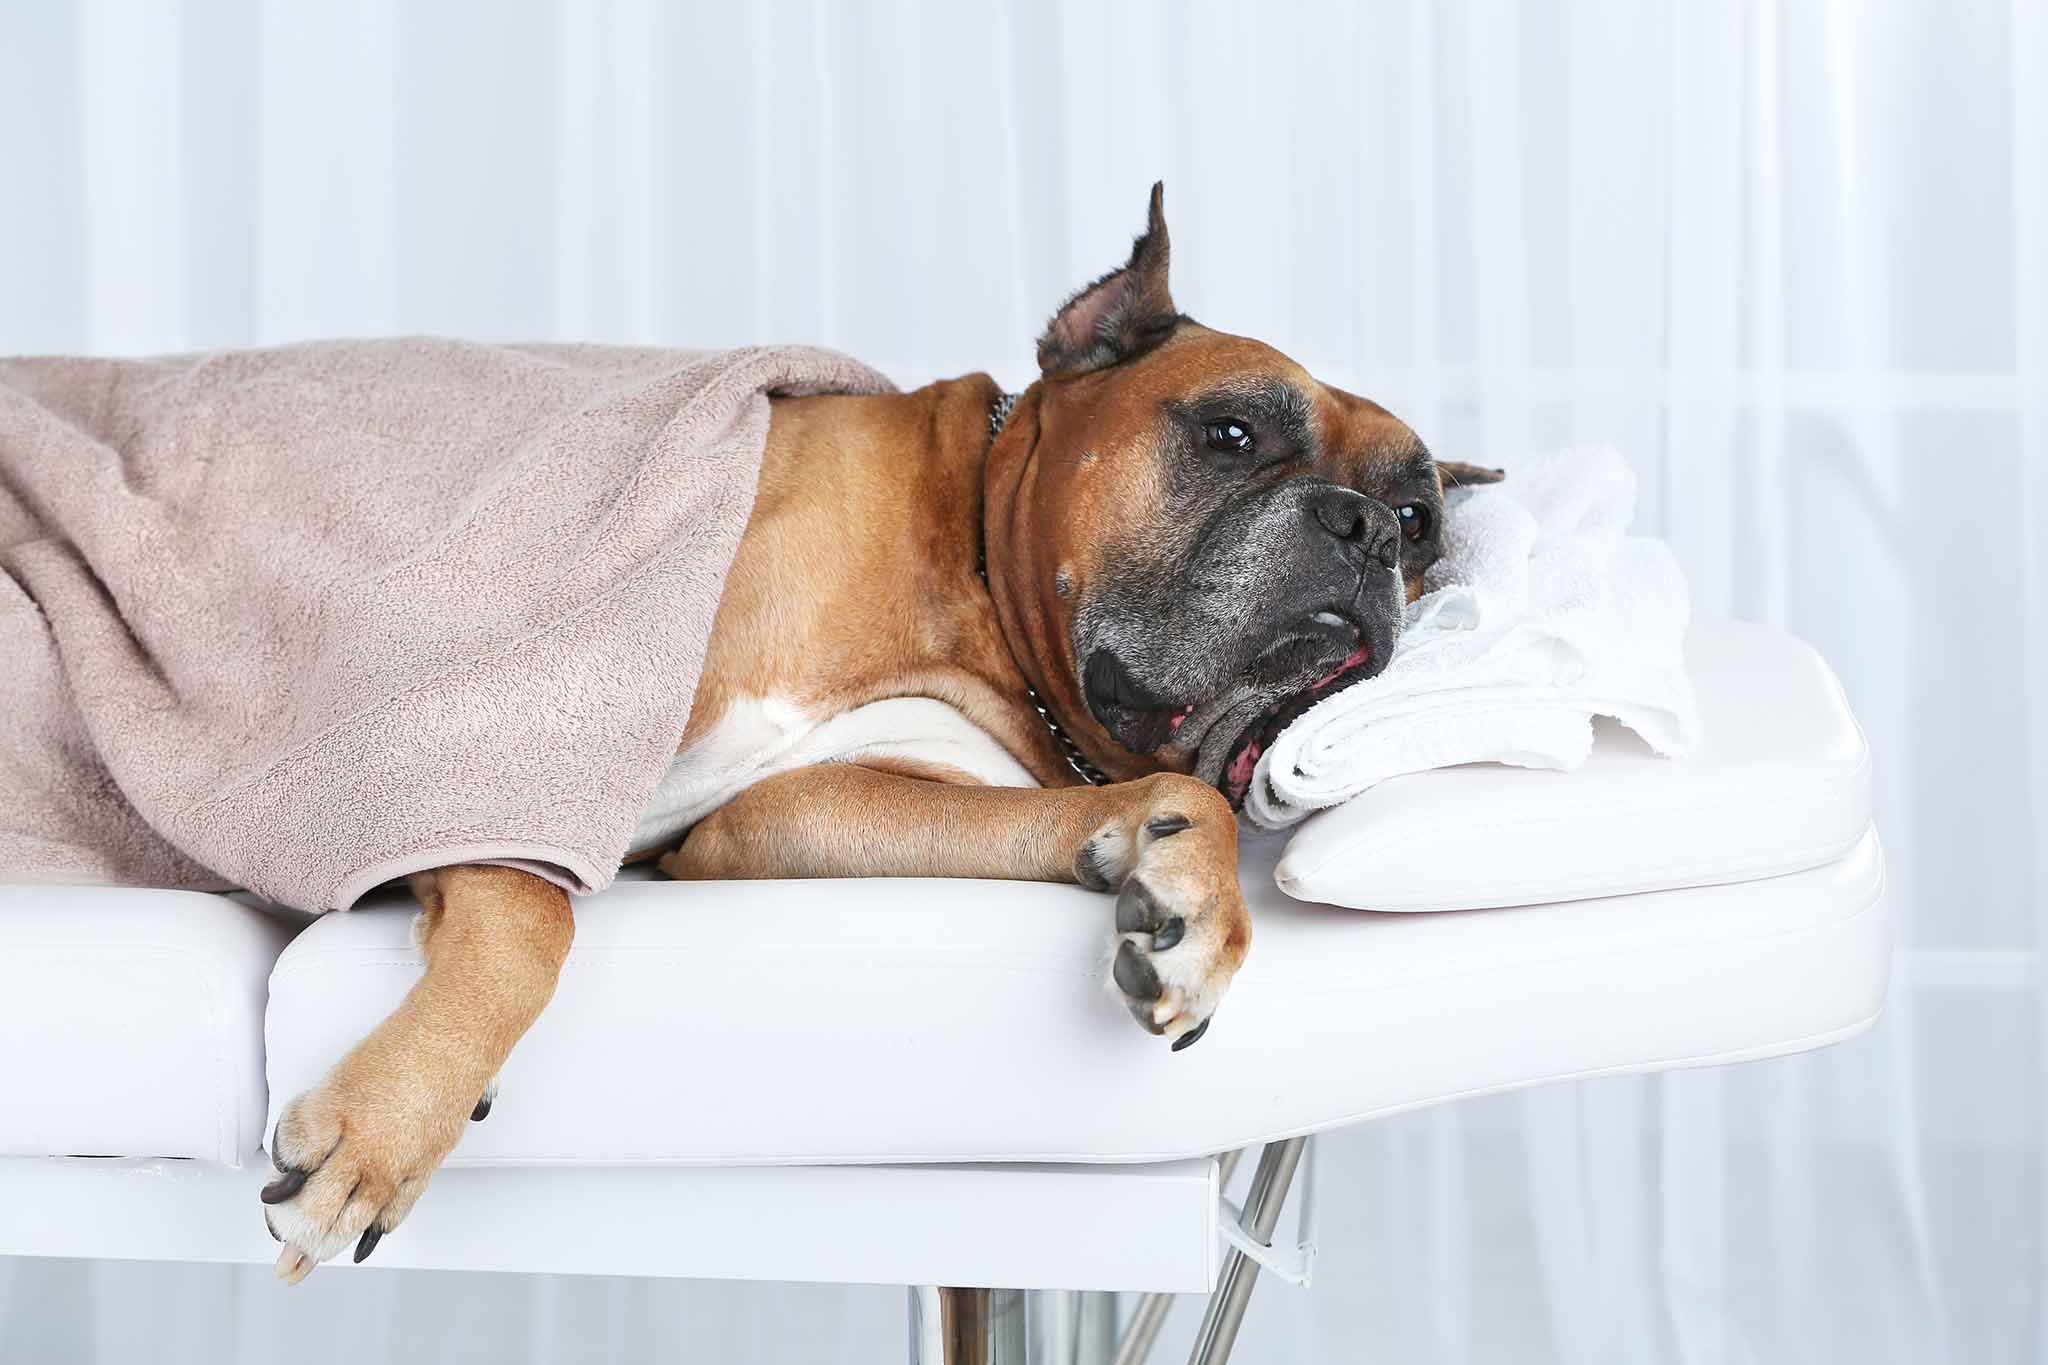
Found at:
(1239, 774)
(1351, 661)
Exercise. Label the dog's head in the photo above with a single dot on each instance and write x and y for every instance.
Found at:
(1194, 538)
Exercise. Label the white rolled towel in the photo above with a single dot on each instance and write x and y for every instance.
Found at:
(1542, 614)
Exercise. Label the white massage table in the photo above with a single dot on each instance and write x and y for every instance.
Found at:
(928, 1083)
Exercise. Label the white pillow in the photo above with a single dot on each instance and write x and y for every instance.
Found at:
(1780, 781)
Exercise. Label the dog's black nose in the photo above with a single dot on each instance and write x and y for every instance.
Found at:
(1358, 520)
(1339, 511)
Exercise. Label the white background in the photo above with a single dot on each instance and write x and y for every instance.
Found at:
(1791, 257)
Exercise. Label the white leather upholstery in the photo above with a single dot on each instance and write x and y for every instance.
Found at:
(131, 1022)
(1780, 781)
(867, 1021)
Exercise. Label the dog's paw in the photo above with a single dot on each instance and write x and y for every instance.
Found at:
(1181, 923)
(1182, 931)
(352, 1159)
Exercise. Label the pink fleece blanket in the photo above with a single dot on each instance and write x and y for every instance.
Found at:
(307, 619)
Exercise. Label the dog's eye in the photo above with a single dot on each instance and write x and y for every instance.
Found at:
(1230, 436)
(1415, 520)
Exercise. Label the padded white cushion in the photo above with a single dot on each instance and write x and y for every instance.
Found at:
(131, 1022)
(895, 1020)
(1780, 781)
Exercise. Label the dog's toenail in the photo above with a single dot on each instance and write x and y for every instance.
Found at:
(1192, 1036)
(284, 1187)
(1164, 825)
(482, 1110)
(1169, 934)
(1134, 974)
(1136, 911)
(374, 1234)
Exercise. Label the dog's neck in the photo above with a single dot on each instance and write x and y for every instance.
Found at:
(998, 414)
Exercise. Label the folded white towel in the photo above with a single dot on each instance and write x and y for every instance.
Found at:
(1542, 614)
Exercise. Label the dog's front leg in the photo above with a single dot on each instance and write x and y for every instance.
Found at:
(355, 1151)
(1165, 845)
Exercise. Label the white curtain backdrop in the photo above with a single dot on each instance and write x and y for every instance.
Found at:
(1791, 257)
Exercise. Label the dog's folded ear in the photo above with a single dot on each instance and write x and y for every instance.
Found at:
(1456, 475)
(1124, 314)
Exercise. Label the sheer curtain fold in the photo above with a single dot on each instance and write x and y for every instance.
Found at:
(1792, 258)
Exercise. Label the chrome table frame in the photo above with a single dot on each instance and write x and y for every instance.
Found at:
(950, 1326)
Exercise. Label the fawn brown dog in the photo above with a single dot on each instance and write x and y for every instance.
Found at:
(966, 635)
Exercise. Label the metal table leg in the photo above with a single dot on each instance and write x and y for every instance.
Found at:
(988, 1327)
(1234, 1289)
(1070, 1327)
(1150, 1314)
(927, 1326)
(1097, 1337)
(966, 1326)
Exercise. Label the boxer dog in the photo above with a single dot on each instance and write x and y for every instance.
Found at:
(968, 635)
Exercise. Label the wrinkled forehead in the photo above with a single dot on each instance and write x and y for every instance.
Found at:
(1209, 375)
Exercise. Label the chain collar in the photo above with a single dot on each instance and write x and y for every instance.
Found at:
(998, 414)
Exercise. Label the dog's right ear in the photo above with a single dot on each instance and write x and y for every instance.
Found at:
(1124, 314)
(1455, 474)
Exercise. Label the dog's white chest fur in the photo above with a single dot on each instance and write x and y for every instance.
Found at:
(758, 737)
